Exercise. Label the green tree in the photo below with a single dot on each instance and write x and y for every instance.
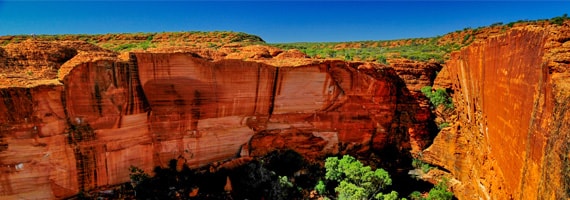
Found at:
(390, 196)
(440, 192)
(438, 97)
(284, 182)
(559, 20)
(416, 195)
(137, 175)
(321, 188)
(357, 181)
(419, 164)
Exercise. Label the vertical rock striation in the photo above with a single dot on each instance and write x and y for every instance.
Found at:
(512, 138)
(98, 115)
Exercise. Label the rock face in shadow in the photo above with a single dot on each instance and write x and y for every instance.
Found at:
(512, 138)
(103, 114)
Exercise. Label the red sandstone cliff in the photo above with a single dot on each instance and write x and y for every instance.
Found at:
(512, 139)
(82, 118)
(75, 117)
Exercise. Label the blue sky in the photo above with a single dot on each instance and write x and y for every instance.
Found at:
(274, 21)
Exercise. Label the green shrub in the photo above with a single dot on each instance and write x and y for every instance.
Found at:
(440, 192)
(416, 195)
(145, 45)
(438, 97)
(125, 47)
(426, 167)
(559, 20)
(321, 188)
(131, 46)
(284, 182)
(421, 49)
(357, 181)
(419, 164)
(466, 38)
(137, 175)
(443, 125)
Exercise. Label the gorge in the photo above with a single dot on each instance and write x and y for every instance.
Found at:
(74, 116)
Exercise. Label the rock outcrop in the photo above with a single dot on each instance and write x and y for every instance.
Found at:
(99, 113)
(512, 140)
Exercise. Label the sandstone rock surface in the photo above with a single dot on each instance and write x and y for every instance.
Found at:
(75, 117)
(512, 138)
(97, 113)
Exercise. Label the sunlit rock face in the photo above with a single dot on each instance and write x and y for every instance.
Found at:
(100, 113)
(75, 117)
(512, 138)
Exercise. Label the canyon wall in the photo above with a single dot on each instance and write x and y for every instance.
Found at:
(83, 125)
(92, 114)
(512, 138)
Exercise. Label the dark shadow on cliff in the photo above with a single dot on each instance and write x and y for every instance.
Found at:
(278, 175)
(395, 157)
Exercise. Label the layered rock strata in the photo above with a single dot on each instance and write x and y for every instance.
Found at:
(100, 115)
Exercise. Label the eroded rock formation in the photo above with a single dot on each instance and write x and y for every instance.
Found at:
(512, 140)
(75, 117)
(98, 113)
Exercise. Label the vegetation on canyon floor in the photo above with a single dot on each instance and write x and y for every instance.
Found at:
(279, 175)
(356, 181)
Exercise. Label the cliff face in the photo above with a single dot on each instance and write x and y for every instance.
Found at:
(512, 138)
(97, 114)
(75, 117)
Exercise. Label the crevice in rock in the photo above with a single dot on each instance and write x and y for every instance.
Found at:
(274, 91)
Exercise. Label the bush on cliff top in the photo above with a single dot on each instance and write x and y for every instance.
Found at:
(422, 49)
(559, 20)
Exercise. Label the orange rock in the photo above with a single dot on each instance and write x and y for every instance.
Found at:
(103, 114)
(228, 186)
(194, 192)
(291, 53)
(511, 91)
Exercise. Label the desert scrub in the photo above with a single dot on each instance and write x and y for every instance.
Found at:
(438, 97)
(132, 46)
(420, 49)
(559, 20)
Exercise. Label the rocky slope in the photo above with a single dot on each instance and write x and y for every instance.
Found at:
(75, 117)
(511, 140)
